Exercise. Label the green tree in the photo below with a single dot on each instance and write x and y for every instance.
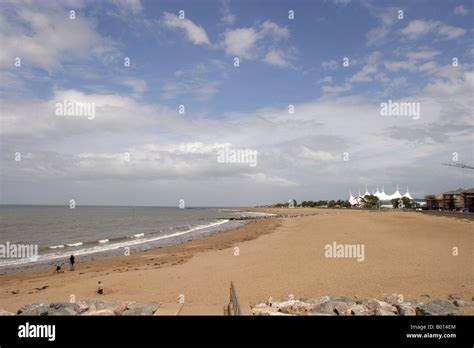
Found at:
(396, 203)
(407, 203)
(370, 202)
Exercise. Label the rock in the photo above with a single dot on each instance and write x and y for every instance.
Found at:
(117, 306)
(346, 299)
(264, 310)
(437, 307)
(359, 309)
(294, 307)
(135, 308)
(460, 303)
(33, 309)
(325, 308)
(379, 311)
(394, 299)
(5, 313)
(100, 312)
(82, 306)
(453, 297)
(404, 309)
(66, 311)
(342, 308)
(382, 306)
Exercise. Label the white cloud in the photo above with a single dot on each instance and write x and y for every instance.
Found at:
(461, 10)
(421, 55)
(262, 178)
(337, 89)
(450, 32)
(194, 33)
(277, 57)
(123, 8)
(261, 42)
(241, 42)
(419, 28)
(227, 16)
(330, 65)
(137, 85)
(364, 75)
(47, 37)
(317, 155)
(326, 79)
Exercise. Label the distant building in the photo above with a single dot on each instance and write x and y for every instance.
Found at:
(459, 199)
(385, 199)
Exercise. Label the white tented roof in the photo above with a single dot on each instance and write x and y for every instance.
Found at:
(407, 195)
(396, 194)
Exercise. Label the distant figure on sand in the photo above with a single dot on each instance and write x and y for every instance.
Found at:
(58, 268)
(100, 288)
(71, 262)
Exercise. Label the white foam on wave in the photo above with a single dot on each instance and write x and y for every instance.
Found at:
(103, 241)
(74, 244)
(106, 247)
(57, 246)
(139, 235)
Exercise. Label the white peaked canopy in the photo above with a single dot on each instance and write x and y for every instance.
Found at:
(366, 191)
(377, 193)
(383, 196)
(407, 195)
(395, 195)
(352, 200)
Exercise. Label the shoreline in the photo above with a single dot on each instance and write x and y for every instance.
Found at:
(407, 253)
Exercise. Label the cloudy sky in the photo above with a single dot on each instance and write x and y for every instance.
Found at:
(138, 149)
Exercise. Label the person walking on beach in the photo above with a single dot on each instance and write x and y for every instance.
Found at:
(100, 288)
(71, 262)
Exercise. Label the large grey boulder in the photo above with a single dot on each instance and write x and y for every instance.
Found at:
(325, 308)
(33, 309)
(62, 308)
(136, 308)
(437, 307)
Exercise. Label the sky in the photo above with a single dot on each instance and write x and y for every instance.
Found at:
(171, 84)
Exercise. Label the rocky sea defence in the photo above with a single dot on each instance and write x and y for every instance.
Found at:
(392, 305)
(87, 308)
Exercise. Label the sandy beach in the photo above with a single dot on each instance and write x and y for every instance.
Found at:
(405, 252)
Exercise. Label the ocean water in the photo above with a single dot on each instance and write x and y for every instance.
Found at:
(93, 232)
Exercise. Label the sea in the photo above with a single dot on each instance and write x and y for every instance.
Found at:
(93, 232)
